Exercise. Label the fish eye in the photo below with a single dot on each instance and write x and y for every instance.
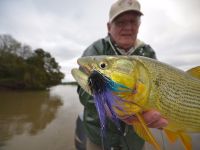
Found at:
(102, 65)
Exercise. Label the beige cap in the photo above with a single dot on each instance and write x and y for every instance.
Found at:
(122, 6)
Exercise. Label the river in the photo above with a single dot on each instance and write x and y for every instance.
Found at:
(39, 120)
(45, 120)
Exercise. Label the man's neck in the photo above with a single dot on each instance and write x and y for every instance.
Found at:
(123, 51)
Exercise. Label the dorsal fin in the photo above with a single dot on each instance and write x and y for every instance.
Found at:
(195, 72)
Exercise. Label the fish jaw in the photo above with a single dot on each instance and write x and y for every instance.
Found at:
(82, 74)
(82, 79)
(85, 64)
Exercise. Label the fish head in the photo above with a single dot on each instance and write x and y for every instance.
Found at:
(122, 70)
(119, 69)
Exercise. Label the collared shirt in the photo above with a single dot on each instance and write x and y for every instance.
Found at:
(121, 51)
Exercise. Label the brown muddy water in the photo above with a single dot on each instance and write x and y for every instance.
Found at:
(42, 120)
(45, 120)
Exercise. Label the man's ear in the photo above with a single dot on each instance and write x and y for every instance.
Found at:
(108, 27)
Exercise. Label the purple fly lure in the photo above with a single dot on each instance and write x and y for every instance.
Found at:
(102, 89)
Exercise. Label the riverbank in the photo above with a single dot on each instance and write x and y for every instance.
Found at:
(20, 88)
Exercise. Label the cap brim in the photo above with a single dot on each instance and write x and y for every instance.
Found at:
(123, 11)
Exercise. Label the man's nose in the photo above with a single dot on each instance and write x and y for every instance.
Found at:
(128, 25)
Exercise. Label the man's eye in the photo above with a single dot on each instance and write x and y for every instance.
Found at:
(120, 23)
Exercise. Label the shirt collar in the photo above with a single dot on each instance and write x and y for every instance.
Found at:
(122, 51)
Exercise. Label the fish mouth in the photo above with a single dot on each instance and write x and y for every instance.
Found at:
(82, 74)
(81, 78)
(85, 69)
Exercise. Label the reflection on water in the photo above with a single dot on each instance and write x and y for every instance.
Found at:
(46, 121)
(36, 120)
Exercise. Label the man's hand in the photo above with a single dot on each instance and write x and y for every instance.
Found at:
(152, 118)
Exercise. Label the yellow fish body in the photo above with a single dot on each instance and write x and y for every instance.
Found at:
(154, 85)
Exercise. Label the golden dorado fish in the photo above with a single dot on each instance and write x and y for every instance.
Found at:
(144, 84)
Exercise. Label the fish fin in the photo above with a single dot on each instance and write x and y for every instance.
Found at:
(185, 138)
(143, 131)
(195, 72)
(171, 136)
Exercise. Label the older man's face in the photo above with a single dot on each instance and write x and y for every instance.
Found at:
(124, 29)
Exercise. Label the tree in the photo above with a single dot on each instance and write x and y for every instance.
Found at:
(20, 67)
(9, 44)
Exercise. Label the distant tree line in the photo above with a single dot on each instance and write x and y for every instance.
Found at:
(24, 68)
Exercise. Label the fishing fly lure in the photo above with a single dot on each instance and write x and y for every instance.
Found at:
(102, 89)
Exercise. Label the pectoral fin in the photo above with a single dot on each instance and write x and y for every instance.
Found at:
(143, 131)
(185, 138)
(195, 72)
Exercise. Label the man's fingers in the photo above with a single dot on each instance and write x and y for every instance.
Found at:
(161, 123)
(154, 119)
(151, 116)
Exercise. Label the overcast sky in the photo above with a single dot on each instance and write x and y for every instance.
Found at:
(66, 27)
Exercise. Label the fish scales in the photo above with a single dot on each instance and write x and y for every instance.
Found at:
(178, 96)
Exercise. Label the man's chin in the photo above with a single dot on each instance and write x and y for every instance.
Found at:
(126, 45)
(127, 40)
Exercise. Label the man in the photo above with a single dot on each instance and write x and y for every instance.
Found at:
(123, 27)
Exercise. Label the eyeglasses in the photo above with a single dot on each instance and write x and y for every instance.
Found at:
(122, 23)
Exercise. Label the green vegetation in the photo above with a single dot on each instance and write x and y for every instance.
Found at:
(23, 68)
